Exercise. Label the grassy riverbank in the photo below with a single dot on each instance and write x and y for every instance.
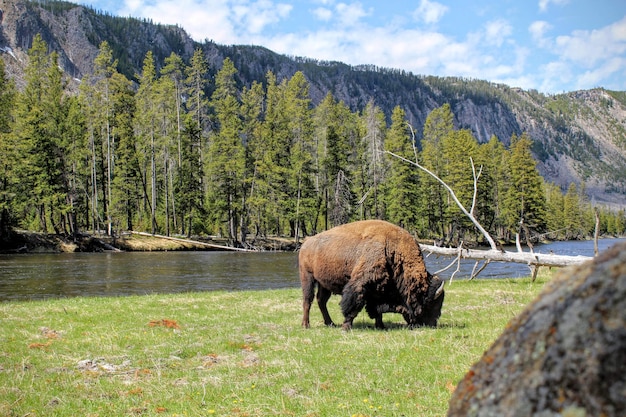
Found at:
(240, 354)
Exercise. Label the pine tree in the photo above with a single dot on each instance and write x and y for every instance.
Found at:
(252, 100)
(573, 214)
(459, 150)
(373, 164)
(76, 169)
(274, 167)
(402, 187)
(335, 145)
(7, 178)
(169, 118)
(192, 182)
(491, 185)
(226, 163)
(297, 104)
(524, 205)
(174, 70)
(189, 191)
(196, 82)
(127, 183)
(147, 128)
(555, 222)
(104, 69)
(438, 126)
(40, 116)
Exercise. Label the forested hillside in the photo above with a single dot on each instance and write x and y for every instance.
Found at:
(141, 128)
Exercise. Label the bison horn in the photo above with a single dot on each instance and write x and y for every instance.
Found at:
(439, 290)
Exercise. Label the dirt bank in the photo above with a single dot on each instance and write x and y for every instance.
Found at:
(31, 242)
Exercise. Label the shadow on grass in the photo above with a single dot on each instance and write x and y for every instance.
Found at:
(396, 326)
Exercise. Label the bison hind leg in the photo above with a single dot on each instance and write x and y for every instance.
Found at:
(323, 295)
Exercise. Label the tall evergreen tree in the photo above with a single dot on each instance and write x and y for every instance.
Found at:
(252, 101)
(127, 189)
(373, 164)
(573, 214)
(491, 185)
(7, 178)
(147, 135)
(439, 125)
(402, 188)
(459, 151)
(335, 145)
(524, 204)
(273, 169)
(192, 182)
(174, 70)
(226, 163)
(554, 210)
(104, 69)
(297, 104)
(76, 170)
(40, 116)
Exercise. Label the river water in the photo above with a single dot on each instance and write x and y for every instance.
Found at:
(44, 276)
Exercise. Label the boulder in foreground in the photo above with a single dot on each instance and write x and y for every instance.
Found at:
(564, 355)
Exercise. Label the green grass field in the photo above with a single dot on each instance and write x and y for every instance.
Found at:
(241, 354)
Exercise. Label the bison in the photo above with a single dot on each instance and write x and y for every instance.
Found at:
(373, 264)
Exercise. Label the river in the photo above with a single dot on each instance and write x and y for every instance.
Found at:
(45, 276)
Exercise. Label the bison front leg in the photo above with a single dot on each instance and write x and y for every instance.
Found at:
(352, 302)
(376, 312)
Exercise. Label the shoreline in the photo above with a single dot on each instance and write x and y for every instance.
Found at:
(33, 242)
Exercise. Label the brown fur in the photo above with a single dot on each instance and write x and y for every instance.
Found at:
(373, 264)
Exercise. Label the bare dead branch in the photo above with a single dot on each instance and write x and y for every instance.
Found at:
(484, 232)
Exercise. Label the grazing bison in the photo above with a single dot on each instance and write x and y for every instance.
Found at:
(373, 264)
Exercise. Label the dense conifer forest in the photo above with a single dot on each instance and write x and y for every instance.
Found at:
(179, 152)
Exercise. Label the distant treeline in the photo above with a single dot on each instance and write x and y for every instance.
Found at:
(160, 155)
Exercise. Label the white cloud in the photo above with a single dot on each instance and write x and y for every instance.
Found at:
(543, 4)
(255, 16)
(220, 20)
(350, 14)
(595, 77)
(497, 31)
(430, 12)
(589, 48)
(322, 13)
(538, 30)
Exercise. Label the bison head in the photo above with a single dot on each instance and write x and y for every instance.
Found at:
(430, 310)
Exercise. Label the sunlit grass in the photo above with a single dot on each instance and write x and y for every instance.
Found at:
(240, 354)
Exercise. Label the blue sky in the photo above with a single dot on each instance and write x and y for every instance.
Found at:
(549, 45)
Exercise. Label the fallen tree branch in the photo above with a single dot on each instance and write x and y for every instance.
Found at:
(535, 259)
(532, 259)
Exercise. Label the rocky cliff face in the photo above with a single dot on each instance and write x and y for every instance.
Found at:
(579, 136)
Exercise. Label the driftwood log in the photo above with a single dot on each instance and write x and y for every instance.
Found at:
(529, 258)
(564, 355)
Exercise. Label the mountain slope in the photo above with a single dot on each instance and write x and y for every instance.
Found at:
(578, 136)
